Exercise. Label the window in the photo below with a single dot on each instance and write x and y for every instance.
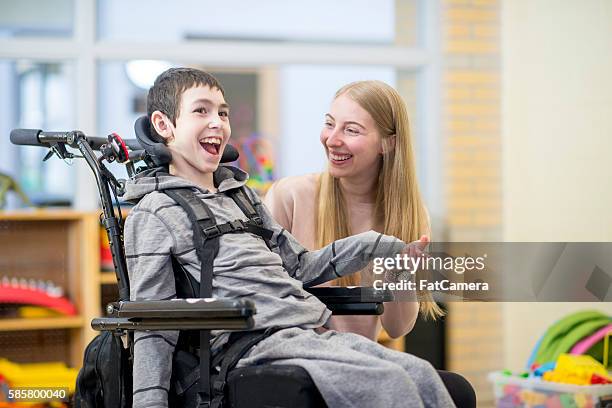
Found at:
(280, 62)
(38, 95)
(36, 18)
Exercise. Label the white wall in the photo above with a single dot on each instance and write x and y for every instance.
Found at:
(557, 140)
(313, 20)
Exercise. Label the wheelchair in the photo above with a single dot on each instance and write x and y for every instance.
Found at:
(255, 386)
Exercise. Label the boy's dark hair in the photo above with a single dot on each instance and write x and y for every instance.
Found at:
(165, 94)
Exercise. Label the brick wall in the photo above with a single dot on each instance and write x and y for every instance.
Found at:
(472, 179)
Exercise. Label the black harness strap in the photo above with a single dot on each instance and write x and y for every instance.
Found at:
(207, 248)
(238, 226)
(206, 235)
(243, 202)
(239, 344)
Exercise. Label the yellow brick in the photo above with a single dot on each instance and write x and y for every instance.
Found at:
(459, 125)
(473, 332)
(471, 141)
(472, 172)
(459, 220)
(474, 203)
(472, 77)
(461, 173)
(486, 31)
(460, 158)
(462, 141)
(458, 30)
(486, 126)
(474, 348)
(472, 15)
(458, 2)
(471, 47)
(457, 93)
(488, 155)
(473, 109)
(487, 220)
(484, 2)
(492, 188)
(486, 94)
(463, 188)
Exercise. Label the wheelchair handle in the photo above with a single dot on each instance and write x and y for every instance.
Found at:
(36, 137)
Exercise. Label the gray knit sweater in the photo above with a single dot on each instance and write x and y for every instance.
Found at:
(158, 228)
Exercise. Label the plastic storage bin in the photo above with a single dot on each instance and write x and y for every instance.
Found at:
(513, 392)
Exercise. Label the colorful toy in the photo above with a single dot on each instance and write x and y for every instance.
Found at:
(583, 401)
(35, 293)
(533, 392)
(43, 375)
(541, 369)
(577, 369)
(532, 398)
(564, 367)
(256, 156)
(562, 336)
(106, 257)
(588, 342)
(36, 312)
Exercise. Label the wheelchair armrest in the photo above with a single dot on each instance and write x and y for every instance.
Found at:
(356, 308)
(178, 314)
(185, 308)
(350, 294)
(352, 300)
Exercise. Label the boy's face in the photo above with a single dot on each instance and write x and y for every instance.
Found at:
(202, 130)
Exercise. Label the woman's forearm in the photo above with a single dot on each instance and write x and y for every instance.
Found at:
(399, 317)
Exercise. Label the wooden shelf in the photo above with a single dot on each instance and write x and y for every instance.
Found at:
(41, 215)
(60, 245)
(72, 322)
(108, 278)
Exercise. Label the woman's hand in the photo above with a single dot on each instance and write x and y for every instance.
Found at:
(416, 248)
(400, 316)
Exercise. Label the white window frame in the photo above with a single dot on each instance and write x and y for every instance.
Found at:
(86, 51)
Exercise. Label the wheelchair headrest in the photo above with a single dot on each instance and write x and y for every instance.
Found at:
(159, 152)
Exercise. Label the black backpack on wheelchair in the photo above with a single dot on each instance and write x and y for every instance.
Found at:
(198, 379)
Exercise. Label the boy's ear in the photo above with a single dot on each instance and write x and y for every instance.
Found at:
(162, 125)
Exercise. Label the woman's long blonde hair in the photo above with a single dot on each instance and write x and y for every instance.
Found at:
(399, 207)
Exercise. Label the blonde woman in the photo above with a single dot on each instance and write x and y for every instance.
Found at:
(370, 184)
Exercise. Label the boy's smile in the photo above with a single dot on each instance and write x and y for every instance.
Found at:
(201, 132)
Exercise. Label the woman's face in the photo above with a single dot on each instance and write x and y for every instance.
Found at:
(351, 140)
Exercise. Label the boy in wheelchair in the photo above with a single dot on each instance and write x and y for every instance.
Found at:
(255, 258)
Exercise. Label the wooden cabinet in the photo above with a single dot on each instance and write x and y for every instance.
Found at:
(61, 247)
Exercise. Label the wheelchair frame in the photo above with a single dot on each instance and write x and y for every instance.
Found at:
(176, 314)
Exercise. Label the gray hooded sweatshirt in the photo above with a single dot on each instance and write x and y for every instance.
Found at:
(157, 228)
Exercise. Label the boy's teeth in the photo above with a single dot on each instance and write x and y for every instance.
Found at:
(212, 140)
